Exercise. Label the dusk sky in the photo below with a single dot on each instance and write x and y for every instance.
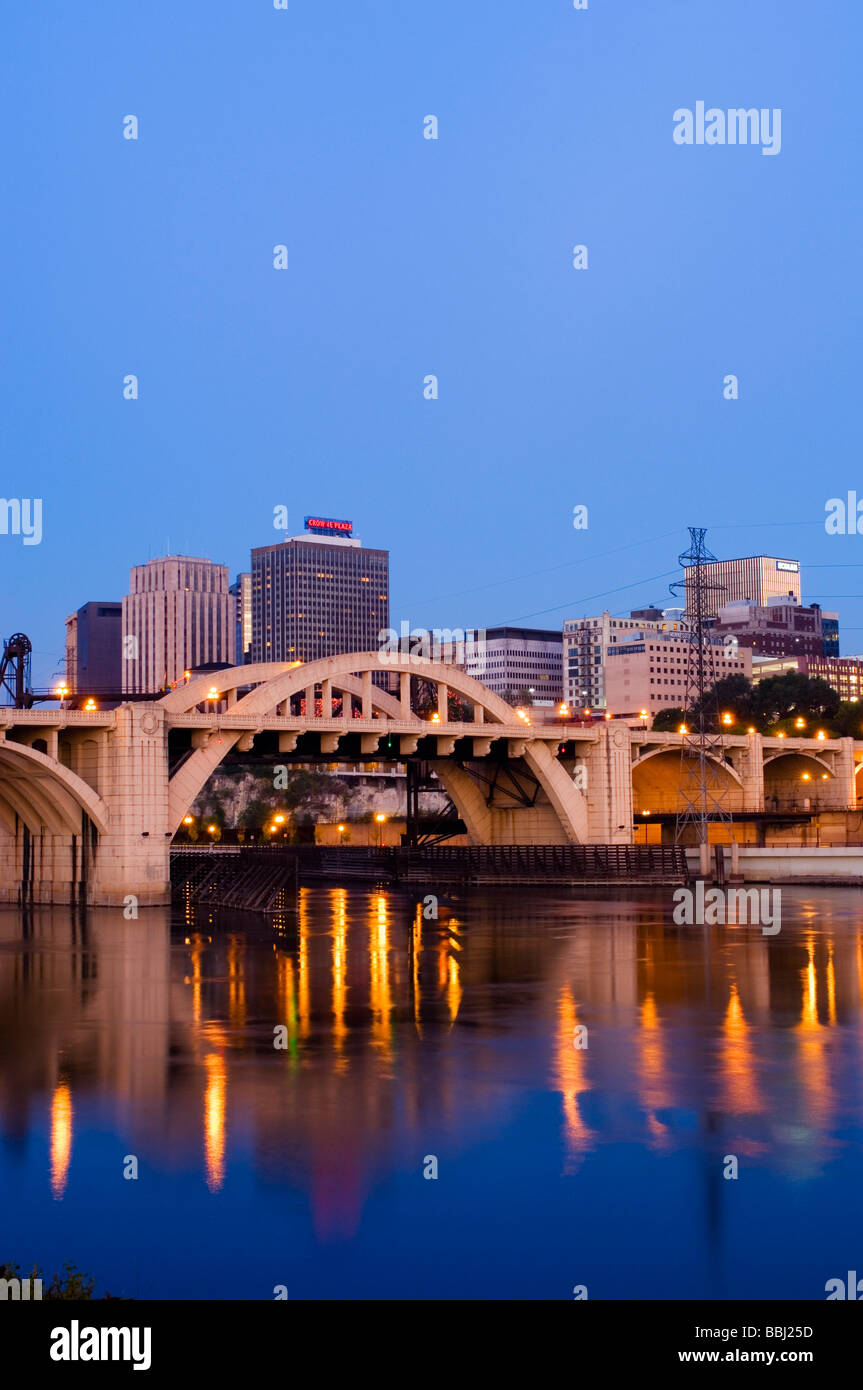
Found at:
(410, 257)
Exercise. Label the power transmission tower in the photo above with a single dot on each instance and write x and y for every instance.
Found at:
(703, 781)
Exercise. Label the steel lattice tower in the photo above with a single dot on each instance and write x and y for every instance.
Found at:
(703, 785)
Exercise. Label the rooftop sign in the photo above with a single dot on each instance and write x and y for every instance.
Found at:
(327, 526)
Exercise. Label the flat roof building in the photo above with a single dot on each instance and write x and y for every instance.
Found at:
(318, 594)
(760, 578)
(178, 615)
(93, 648)
(510, 660)
(650, 671)
(844, 673)
(785, 628)
(587, 642)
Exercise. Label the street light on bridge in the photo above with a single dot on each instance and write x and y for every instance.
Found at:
(380, 818)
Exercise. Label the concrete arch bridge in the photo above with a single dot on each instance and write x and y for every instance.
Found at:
(91, 800)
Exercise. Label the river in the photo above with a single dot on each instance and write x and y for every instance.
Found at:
(415, 1046)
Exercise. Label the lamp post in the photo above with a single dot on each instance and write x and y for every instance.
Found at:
(380, 818)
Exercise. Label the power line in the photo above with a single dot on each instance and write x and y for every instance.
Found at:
(571, 603)
(567, 564)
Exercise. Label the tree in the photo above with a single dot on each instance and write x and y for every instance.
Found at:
(668, 721)
(793, 695)
(730, 695)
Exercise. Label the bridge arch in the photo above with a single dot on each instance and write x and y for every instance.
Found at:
(340, 673)
(656, 780)
(792, 775)
(44, 794)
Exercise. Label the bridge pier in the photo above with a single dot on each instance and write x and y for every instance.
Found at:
(133, 857)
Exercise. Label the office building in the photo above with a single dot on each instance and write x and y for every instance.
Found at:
(785, 628)
(649, 671)
(762, 579)
(93, 648)
(844, 673)
(516, 660)
(177, 616)
(587, 642)
(241, 589)
(318, 594)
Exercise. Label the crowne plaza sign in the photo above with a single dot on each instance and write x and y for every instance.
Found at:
(327, 525)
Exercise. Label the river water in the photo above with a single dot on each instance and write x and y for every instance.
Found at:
(414, 1044)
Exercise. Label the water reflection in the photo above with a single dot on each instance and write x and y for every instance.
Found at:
(410, 1035)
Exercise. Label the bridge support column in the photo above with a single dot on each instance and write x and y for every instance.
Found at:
(327, 699)
(405, 694)
(844, 774)
(443, 703)
(751, 769)
(609, 785)
(367, 694)
(133, 857)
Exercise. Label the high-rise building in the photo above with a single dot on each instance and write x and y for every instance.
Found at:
(588, 641)
(785, 628)
(242, 592)
(318, 594)
(177, 616)
(93, 648)
(760, 578)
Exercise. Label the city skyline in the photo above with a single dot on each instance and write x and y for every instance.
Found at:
(624, 612)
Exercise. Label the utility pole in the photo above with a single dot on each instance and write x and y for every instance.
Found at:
(703, 782)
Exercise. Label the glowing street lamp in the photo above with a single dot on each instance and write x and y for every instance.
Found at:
(643, 716)
(211, 829)
(751, 729)
(380, 818)
(279, 820)
(821, 735)
(188, 820)
(563, 711)
(728, 718)
(683, 729)
(90, 705)
(212, 693)
(800, 723)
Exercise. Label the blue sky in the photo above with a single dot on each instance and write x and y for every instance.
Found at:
(408, 257)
